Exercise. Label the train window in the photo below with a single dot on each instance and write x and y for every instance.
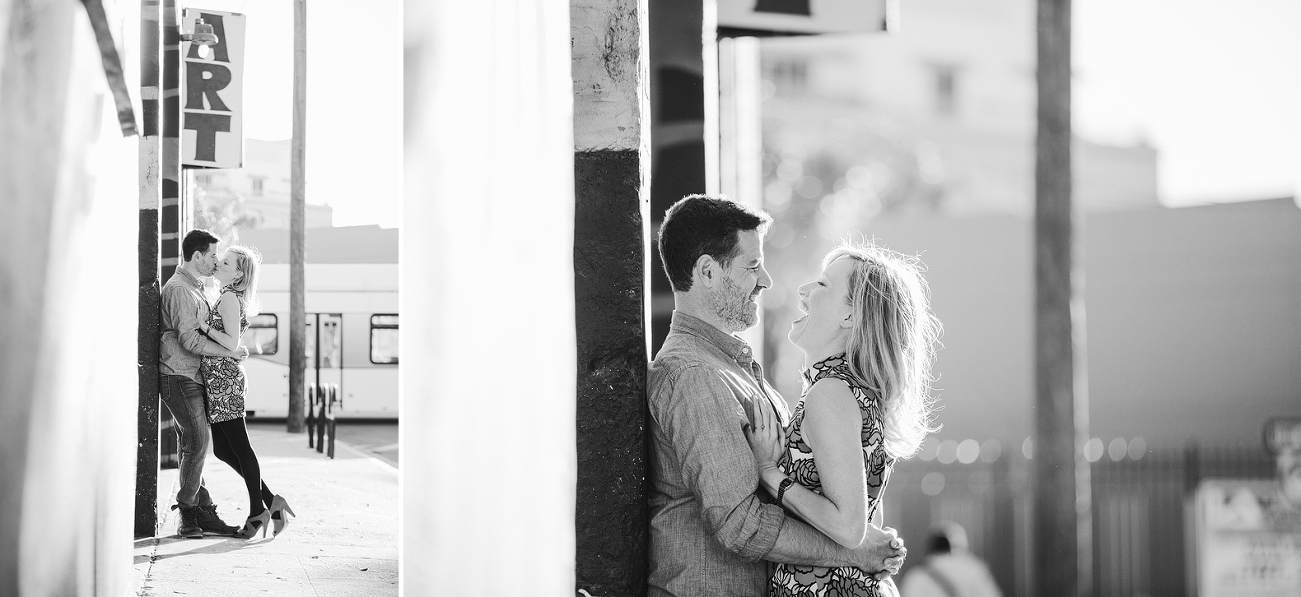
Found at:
(261, 336)
(384, 339)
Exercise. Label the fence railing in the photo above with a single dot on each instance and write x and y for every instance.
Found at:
(1140, 540)
(321, 423)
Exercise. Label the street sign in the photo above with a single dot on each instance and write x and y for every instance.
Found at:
(212, 93)
(809, 16)
(1247, 539)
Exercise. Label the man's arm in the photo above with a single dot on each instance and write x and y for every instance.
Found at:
(183, 313)
(703, 420)
(800, 544)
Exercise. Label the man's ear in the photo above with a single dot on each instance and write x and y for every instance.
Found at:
(705, 271)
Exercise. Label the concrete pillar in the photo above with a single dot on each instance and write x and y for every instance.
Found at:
(611, 149)
(147, 331)
(488, 338)
(68, 396)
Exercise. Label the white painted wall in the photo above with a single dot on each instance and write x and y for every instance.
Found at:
(488, 347)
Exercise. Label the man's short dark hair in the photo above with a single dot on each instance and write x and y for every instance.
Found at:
(704, 225)
(197, 240)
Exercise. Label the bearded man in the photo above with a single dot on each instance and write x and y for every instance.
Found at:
(712, 530)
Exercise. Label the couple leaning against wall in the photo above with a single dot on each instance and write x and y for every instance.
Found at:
(747, 497)
(202, 383)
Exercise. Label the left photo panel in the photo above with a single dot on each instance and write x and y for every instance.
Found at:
(201, 219)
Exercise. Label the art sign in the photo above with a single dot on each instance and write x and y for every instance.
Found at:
(212, 92)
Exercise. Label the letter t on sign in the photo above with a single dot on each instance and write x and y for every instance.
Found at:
(206, 127)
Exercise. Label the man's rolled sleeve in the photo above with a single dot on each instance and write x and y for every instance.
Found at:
(182, 313)
(705, 425)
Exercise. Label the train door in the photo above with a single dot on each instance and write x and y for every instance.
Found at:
(325, 366)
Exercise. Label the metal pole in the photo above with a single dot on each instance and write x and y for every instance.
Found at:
(1062, 509)
(146, 504)
(297, 214)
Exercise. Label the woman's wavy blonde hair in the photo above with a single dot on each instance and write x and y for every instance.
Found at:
(892, 344)
(248, 261)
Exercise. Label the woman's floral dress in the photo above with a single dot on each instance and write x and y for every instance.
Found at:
(224, 376)
(816, 581)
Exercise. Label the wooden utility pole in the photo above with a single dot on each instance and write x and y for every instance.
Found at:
(297, 233)
(1062, 507)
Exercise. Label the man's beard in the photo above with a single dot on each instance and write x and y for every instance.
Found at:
(732, 306)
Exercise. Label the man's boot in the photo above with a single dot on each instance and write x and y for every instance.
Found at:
(188, 526)
(207, 519)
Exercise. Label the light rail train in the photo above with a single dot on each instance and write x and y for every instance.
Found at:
(352, 316)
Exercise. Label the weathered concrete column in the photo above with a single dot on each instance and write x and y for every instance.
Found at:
(147, 331)
(611, 194)
(67, 386)
(487, 248)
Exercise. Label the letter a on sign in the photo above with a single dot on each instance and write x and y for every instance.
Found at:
(212, 93)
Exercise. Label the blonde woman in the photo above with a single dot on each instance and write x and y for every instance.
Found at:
(226, 385)
(867, 335)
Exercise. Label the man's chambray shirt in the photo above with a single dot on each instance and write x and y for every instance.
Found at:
(709, 528)
(183, 346)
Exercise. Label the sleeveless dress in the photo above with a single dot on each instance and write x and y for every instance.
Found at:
(224, 376)
(790, 580)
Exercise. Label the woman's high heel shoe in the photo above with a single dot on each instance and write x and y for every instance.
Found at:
(253, 523)
(279, 507)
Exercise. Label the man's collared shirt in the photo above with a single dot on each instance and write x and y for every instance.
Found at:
(183, 346)
(709, 527)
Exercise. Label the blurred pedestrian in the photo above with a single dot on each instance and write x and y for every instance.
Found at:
(950, 569)
(181, 348)
(711, 529)
(227, 384)
(867, 333)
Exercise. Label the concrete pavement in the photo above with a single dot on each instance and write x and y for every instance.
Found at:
(343, 542)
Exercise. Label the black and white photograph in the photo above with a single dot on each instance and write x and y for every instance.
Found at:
(650, 298)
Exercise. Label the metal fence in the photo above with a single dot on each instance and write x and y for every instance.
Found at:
(1140, 542)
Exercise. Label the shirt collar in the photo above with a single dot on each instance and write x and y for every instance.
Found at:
(189, 278)
(729, 344)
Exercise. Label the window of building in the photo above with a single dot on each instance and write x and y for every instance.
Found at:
(203, 180)
(257, 185)
(789, 75)
(262, 336)
(946, 89)
(384, 339)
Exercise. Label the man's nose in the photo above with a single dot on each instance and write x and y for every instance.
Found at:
(765, 281)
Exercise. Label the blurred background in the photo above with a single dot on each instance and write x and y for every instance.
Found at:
(1186, 161)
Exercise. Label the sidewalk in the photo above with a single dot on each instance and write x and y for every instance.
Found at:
(343, 542)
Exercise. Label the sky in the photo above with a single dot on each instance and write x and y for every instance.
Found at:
(354, 98)
(1215, 86)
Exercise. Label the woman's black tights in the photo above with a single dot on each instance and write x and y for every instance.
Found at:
(230, 444)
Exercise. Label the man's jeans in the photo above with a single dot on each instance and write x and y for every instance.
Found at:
(184, 397)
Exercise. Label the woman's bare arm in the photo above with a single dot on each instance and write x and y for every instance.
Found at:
(228, 311)
(832, 427)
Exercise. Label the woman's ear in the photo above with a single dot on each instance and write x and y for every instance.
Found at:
(848, 321)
